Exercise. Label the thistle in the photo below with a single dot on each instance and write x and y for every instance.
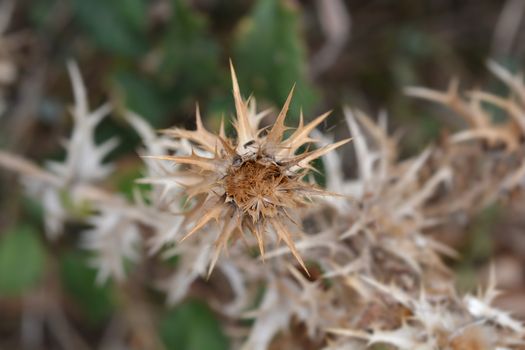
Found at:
(251, 184)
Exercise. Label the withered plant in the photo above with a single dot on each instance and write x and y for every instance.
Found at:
(252, 184)
(370, 262)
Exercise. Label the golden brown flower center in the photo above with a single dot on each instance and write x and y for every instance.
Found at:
(252, 186)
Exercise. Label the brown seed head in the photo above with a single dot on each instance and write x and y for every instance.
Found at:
(258, 187)
(250, 184)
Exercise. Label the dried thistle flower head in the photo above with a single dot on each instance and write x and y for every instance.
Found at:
(251, 184)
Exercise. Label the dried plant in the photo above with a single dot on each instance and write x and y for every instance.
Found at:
(253, 183)
(375, 269)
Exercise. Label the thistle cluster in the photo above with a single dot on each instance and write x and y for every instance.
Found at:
(361, 264)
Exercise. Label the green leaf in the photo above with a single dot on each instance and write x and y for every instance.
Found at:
(143, 96)
(190, 55)
(125, 180)
(270, 55)
(33, 209)
(116, 26)
(22, 260)
(133, 13)
(192, 326)
(78, 279)
(478, 248)
(41, 13)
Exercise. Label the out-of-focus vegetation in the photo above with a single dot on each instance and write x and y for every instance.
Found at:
(160, 57)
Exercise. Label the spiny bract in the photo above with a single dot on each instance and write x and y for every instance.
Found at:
(251, 184)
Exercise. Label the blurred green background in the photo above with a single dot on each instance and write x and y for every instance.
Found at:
(160, 57)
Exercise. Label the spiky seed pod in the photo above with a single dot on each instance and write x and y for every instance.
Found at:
(251, 184)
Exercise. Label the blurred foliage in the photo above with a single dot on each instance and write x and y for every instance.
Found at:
(478, 247)
(125, 180)
(142, 96)
(79, 280)
(186, 65)
(22, 260)
(162, 68)
(192, 326)
(271, 57)
(189, 54)
(117, 26)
